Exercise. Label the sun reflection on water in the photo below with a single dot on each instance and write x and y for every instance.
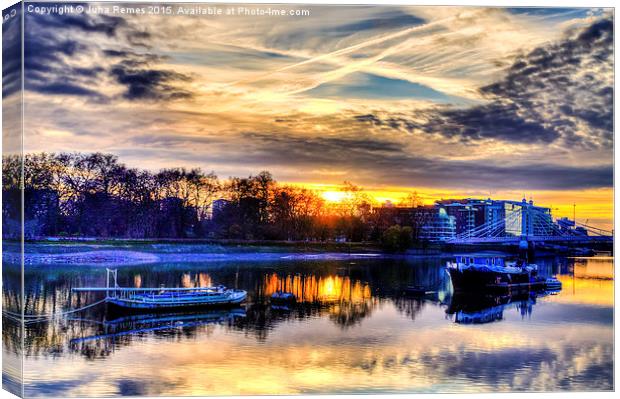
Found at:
(332, 288)
(590, 283)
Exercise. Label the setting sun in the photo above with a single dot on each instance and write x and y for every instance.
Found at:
(334, 196)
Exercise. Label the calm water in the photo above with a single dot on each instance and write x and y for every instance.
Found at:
(353, 331)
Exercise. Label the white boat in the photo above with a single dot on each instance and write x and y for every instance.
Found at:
(158, 298)
(165, 297)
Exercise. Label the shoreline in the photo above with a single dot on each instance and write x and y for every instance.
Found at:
(122, 257)
(308, 245)
(89, 251)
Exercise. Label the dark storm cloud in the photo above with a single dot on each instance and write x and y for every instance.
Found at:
(546, 95)
(149, 84)
(498, 120)
(495, 120)
(391, 163)
(142, 82)
(108, 25)
(47, 53)
(561, 79)
(46, 70)
(60, 88)
(11, 51)
(320, 148)
(50, 51)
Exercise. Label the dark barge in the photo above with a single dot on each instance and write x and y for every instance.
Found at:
(493, 274)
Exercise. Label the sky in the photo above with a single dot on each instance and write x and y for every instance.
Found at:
(446, 101)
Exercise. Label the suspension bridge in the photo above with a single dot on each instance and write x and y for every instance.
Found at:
(530, 224)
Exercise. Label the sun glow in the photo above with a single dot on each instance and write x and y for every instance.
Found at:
(334, 196)
(594, 206)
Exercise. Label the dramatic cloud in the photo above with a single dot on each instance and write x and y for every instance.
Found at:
(11, 51)
(391, 98)
(568, 85)
(50, 54)
(55, 50)
(392, 164)
(149, 84)
(108, 25)
(562, 90)
(497, 120)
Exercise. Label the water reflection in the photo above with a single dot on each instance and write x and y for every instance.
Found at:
(353, 329)
(123, 330)
(588, 281)
(312, 288)
(481, 309)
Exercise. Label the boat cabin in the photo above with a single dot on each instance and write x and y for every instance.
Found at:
(480, 260)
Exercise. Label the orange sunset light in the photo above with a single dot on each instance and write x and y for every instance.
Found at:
(334, 196)
(594, 206)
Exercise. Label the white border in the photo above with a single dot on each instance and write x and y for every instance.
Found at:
(524, 3)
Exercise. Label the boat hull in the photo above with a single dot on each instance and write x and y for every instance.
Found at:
(140, 304)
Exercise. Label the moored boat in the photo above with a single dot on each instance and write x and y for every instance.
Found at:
(493, 274)
(178, 298)
(553, 284)
(283, 297)
(165, 297)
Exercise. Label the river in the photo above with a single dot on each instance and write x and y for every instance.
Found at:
(353, 330)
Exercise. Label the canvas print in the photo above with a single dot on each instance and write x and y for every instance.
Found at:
(207, 199)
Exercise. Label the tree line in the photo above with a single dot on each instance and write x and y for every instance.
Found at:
(95, 195)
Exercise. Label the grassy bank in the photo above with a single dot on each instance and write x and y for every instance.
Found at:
(288, 246)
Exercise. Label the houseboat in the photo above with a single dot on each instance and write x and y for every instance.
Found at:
(493, 274)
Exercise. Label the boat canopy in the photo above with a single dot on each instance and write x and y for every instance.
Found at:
(480, 260)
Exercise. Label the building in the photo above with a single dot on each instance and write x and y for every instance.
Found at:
(567, 225)
(501, 217)
(438, 226)
(429, 222)
(468, 213)
(449, 218)
(525, 219)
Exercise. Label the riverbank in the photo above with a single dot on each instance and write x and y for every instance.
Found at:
(121, 252)
(303, 246)
(124, 257)
(114, 253)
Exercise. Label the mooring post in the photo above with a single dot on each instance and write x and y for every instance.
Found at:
(107, 283)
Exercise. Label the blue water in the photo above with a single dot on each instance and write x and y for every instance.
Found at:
(353, 330)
